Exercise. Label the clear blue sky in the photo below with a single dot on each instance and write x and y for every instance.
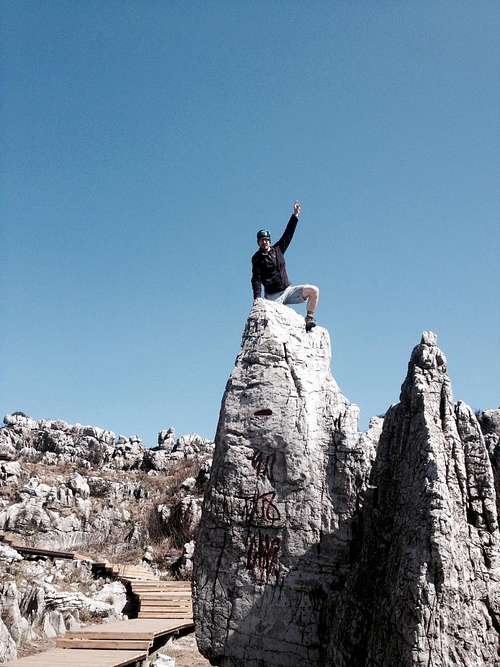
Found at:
(143, 143)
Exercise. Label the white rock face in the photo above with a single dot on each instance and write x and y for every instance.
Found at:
(301, 561)
(424, 586)
(8, 648)
(10, 472)
(8, 555)
(489, 421)
(277, 520)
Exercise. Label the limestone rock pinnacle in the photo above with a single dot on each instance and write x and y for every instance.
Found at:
(280, 507)
(424, 589)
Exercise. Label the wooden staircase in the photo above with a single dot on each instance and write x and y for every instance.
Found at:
(164, 599)
(126, 572)
(165, 609)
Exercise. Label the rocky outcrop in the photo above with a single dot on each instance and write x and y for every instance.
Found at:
(60, 513)
(279, 514)
(424, 586)
(314, 550)
(54, 442)
(67, 486)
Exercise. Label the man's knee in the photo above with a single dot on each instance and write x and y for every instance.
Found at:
(310, 290)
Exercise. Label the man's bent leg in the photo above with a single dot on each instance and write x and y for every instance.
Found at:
(311, 294)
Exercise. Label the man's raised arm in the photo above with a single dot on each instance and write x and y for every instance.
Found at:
(284, 241)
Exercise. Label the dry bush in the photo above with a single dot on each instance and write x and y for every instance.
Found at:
(175, 477)
(8, 492)
(86, 616)
(106, 550)
(157, 528)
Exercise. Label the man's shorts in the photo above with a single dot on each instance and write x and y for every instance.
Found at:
(292, 294)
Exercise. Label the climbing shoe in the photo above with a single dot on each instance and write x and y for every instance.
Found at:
(310, 323)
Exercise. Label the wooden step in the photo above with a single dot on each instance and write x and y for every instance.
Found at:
(61, 657)
(146, 584)
(166, 615)
(165, 603)
(38, 551)
(175, 613)
(108, 644)
(174, 604)
(92, 632)
(165, 597)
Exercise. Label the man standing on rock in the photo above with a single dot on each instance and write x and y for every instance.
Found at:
(269, 269)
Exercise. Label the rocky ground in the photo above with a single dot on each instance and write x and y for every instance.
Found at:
(185, 651)
(81, 489)
(42, 598)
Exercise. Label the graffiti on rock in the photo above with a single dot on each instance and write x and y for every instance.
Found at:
(262, 555)
(261, 507)
(263, 464)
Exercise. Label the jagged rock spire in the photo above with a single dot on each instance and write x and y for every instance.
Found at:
(300, 562)
(286, 480)
(424, 589)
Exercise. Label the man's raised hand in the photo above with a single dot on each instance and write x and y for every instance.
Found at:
(297, 206)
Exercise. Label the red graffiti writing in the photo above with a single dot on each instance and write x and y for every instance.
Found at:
(263, 464)
(263, 553)
(261, 507)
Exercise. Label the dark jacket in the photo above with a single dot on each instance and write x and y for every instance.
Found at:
(269, 269)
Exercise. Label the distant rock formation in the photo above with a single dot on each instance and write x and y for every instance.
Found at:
(313, 551)
(69, 486)
(279, 517)
(55, 442)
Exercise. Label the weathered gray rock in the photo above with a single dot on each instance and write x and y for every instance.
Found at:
(300, 562)
(489, 421)
(8, 554)
(192, 445)
(7, 451)
(279, 513)
(128, 453)
(8, 648)
(183, 567)
(79, 486)
(10, 614)
(166, 438)
(171, 449)
(10, 472)
(114, 594)
(64, 514)
(424, 589)
(54, 441)
(35, 601)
